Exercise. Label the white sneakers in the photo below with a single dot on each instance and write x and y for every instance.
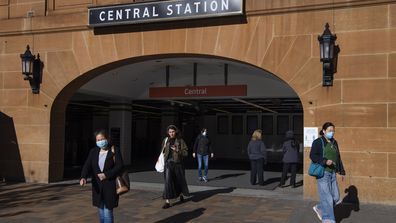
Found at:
(317, 211)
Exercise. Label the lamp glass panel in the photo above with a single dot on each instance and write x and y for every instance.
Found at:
(321, 50)
(326, 46)
(331, 54)
(28, 66)
(25, 66)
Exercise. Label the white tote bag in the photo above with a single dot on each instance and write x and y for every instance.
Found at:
(160, 165)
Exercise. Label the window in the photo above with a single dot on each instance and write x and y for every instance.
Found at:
(251, 124)
(282, 124)
(267, 124)
(237, 124)
(298, 124)
(222, 124)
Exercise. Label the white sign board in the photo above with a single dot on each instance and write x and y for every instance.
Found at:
(310, 134)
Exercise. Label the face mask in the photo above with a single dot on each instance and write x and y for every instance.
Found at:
(102, 143)
(329, 135)
(204, 133)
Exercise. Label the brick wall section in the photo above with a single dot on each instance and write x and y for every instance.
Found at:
(362, 102)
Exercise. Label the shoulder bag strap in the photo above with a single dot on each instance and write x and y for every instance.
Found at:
(323, 148)
(113, 151)
(163, 148)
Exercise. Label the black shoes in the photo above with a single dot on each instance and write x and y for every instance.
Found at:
(283, 186)
(166, 205)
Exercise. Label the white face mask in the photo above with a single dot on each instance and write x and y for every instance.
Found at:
(204, 133)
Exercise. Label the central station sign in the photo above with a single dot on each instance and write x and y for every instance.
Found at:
(160, 11)
(198, 91)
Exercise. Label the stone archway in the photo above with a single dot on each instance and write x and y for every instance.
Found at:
(59, 106)
(76, 57)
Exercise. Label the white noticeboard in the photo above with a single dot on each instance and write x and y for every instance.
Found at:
(310, 134)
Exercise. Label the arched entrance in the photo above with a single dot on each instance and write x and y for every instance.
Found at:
(269, 104)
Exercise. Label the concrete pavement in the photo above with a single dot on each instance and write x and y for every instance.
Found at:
(68, 202)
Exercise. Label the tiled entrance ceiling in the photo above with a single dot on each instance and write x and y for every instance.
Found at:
(196, 107)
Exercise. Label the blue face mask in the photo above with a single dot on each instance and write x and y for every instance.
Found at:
(102, 143)
(329, 135)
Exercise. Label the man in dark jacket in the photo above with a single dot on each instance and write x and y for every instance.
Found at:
(202, 149)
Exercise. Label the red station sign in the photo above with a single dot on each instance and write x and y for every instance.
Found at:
(198, 91)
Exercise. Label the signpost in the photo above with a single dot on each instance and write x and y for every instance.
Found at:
(198, 91)
(161, 11)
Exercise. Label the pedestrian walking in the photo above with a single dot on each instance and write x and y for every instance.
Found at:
(202, 149)
(174, 151)
(103, 168)
(325, 151)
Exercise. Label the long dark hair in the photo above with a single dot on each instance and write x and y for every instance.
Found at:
(173, 127)
(325, 126)
(104, 133)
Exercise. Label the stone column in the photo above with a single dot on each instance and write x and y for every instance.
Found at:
(120, 129)
(169, 117)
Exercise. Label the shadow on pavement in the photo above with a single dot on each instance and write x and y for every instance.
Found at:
(183, 217)
(14, 214)
(202, 195)
(300, 183)
(224, 176)
(16, 195)
(349, 203)
(271, 183)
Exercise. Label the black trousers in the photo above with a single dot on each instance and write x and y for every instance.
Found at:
(286, 167)
(257, 171)
(175, 181)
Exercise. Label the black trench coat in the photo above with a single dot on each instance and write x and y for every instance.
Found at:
(103, 190)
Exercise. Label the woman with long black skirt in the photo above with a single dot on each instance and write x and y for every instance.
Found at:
(175, 149)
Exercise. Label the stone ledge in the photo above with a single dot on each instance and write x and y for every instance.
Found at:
(288, 6)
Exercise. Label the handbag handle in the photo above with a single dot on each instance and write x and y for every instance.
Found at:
(163, 148)
(113, 151)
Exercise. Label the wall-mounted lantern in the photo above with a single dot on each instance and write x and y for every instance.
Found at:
(328, 55)
(32, 69)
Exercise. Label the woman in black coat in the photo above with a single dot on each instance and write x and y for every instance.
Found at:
(103, 166)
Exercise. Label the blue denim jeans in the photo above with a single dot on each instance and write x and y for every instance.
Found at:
(329, 195)
(105, 215)
(205, 158)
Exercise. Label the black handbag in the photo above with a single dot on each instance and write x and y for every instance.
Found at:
(122, 180)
